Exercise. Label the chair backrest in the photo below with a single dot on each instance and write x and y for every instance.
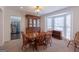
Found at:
(48, 35)
(40, 38)
(76, 40)
(25, 39)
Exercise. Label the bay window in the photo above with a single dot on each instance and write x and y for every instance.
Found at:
(61, 23)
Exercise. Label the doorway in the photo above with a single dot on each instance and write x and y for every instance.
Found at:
(15, 27)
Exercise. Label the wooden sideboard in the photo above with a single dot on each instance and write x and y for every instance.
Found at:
(57, 34)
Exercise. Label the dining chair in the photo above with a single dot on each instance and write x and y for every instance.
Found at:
(40, 40)
(48, 38)
(25, 40)
(75, 41)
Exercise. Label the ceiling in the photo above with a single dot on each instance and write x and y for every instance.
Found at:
(30, 9)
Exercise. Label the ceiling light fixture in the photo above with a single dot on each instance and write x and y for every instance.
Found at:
(37, 9)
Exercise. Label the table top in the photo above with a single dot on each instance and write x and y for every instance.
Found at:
(36, 34)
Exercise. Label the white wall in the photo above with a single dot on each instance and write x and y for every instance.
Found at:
(74, 15)
(1, 28)
(7, 28)
(42, 23)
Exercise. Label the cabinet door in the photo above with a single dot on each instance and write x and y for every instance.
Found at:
(30, 23)
(34, 23)
(38, 23)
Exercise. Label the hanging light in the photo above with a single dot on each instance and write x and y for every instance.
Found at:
(37, 9)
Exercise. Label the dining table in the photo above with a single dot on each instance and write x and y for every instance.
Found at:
(32, 39)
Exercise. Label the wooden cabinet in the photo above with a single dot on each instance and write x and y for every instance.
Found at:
(33, 23)
(57, 34)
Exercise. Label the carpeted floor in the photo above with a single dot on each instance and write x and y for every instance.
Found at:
(57, 46)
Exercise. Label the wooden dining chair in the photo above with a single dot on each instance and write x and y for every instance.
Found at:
(40, 41)
(75, 42)
(25, 40)
(48, 37)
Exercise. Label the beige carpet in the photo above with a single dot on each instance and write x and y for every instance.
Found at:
(57, 46)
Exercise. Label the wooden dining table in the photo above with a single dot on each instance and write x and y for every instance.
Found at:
(32, 38)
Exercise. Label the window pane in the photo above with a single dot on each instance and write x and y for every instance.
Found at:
(59, 24)
(34, 23)
(49, 23)
(68, 33)
(30, 21)
(38, 23)
(68, 20)
(59, 21)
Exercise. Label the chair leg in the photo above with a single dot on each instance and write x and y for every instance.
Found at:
(22, 47)
(33, 49)
(75, 47)
(50, 43)
(36, 48)
(68, 43)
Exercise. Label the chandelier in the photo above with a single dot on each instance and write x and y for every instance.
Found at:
(37, 9)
